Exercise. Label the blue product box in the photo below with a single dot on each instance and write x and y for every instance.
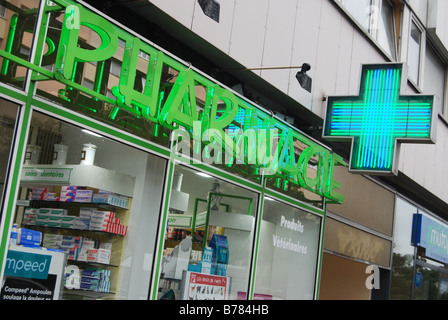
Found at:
(221, 269)
(220, 249)
(195, 267)
(29, 238)
(207, 255)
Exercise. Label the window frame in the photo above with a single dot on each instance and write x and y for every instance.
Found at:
(371, 32)
(422, 53)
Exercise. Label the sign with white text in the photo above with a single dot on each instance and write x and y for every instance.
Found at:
(431, 235)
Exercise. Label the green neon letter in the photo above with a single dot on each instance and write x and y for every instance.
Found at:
(220, 119)
(212, 153)
(141, 104)
(330, 182)
(180, 106)
(312, 184)
(287, 160)
(69, 52)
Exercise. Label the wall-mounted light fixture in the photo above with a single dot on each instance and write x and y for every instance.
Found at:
(304, 80)
(210, 8)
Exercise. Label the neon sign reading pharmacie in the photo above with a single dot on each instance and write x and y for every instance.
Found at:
(221, 107)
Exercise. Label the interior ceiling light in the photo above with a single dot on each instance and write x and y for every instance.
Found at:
(202, 174)
(210, 8)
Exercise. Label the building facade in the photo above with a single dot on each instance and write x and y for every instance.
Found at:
(174, 150)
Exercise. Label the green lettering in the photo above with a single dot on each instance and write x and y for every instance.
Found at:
(180, 106)
(315, 183)
(330, 183)
(144, 104)
(287, 160)
(69, 52)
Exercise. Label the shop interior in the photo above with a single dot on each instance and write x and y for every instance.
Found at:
(95, 202)
(210, 235)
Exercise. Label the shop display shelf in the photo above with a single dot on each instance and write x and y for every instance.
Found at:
(84, 293)
(79, 175)
(74, 231)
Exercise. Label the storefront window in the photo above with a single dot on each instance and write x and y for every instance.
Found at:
(87, 213)
(415, 275)
(403, 253)
(288, 253)
(17, 28)
(208, 241)
(8, 115)
(431, 283)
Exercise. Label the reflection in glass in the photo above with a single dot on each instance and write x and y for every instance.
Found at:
(386, 28)
(360, 9)
(208, 241)
(414, 276)
(8, 115)
(17, 28)
(288, 251)
(414, 53)
(91, 208)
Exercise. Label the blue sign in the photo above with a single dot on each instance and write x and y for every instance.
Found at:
(418, 279)
(431, 235)
(27, 265)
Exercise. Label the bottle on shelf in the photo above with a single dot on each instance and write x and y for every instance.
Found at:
(14, 233)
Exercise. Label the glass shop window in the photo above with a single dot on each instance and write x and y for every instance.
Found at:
(208, 240)
(8, 116)
(83, 202)
(97, 76)
(288, 253)
(17, 27)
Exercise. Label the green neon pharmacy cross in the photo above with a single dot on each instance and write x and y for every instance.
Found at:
(378, 119)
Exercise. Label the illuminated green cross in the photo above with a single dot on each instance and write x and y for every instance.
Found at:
(377, 118)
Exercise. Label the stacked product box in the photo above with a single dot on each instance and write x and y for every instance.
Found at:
(67, 193)
(91, 252)
(110, 198)
(105, 281)
(79, 248)
(30, 216)
(47, 217)
(40, 193)
(103, 221)
(75, 194)
(29, 238)
(206, 263)
(88, 219)
(95, 280)
(214, 258)
(78, 194)
(82, 222)
(84, 251)
(68, 244)
(220, 258)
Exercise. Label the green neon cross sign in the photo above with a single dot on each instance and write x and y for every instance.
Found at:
(378, 119)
